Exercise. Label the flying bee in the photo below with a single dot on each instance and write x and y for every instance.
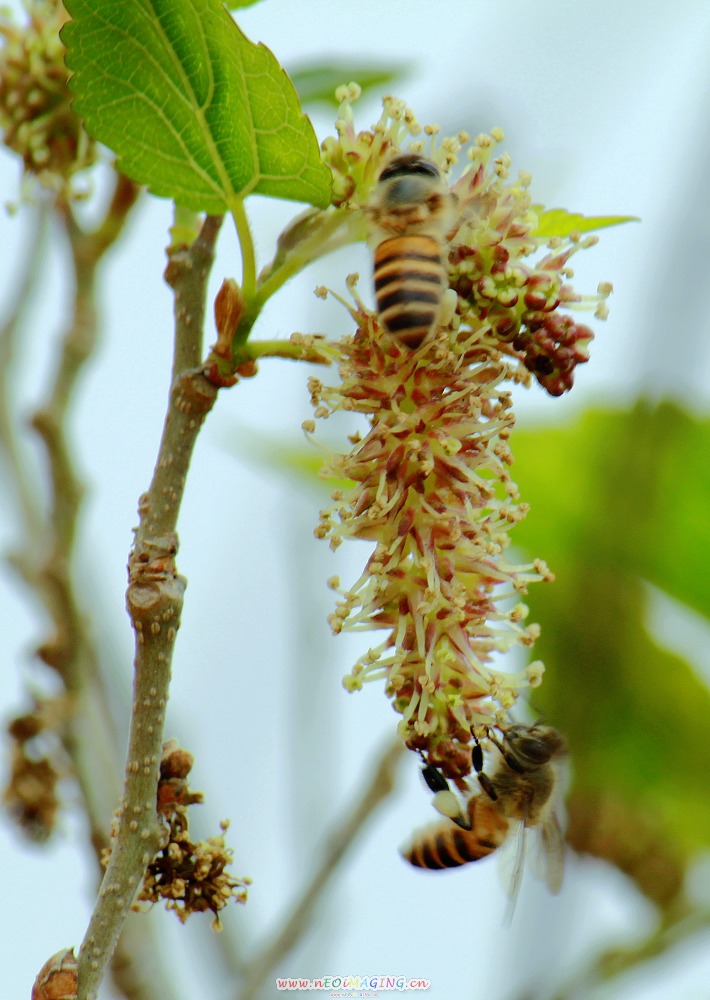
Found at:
(410, 212)
(517, 795)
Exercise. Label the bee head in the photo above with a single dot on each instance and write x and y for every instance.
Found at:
(529, 747)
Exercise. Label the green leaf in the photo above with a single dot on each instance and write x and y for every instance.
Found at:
(192, 108)
(317, 82)
(560, 222)
(619, 499)
(237, 4)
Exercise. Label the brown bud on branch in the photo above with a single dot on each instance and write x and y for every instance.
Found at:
(228, 309)
(58, 979)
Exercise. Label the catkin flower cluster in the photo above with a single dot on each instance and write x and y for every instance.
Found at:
(36, 118)
(432, 487)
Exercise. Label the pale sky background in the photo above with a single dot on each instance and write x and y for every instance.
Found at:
(606, 105)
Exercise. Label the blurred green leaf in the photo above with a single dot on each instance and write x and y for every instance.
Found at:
(192, 108)
(620, 498)
(297, 459)
(560, 222)
(317, 82)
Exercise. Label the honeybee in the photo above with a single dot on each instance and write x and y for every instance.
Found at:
(518, 795)
(410, 212)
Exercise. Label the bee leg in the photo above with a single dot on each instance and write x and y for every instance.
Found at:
(483, 779)
(444, 801)
(436, 782)
(487, 786)
(512, 761)
(477, 756)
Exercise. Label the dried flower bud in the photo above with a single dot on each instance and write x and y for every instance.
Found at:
(31, 794)
(173, 790)
(247, 369)
(192, 877)
(189, 877)
(175, 761)
(25, 727)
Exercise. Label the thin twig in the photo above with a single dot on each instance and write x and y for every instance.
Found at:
(45, 553)
(298, 921)
(17, 473)
(47, 561)
(154, 598)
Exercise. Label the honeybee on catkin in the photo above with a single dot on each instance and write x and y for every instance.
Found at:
(518, 795)
(409, 212)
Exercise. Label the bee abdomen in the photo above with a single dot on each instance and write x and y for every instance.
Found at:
(447, 847)
(409, 284)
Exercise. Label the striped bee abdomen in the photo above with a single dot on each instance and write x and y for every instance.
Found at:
(409, 284)
(446, 845)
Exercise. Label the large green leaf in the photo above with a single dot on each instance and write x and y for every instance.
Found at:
(192, 108)
(619, 499)
(560, 222)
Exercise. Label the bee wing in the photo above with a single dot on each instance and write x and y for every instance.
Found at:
(548, 860)
(544, 847)
(511, 862)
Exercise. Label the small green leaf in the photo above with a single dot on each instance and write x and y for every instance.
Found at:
(192, 108)
(316, 83)
(296, 461)
(560, 222)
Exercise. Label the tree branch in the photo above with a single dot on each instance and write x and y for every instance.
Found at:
(154, 599)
